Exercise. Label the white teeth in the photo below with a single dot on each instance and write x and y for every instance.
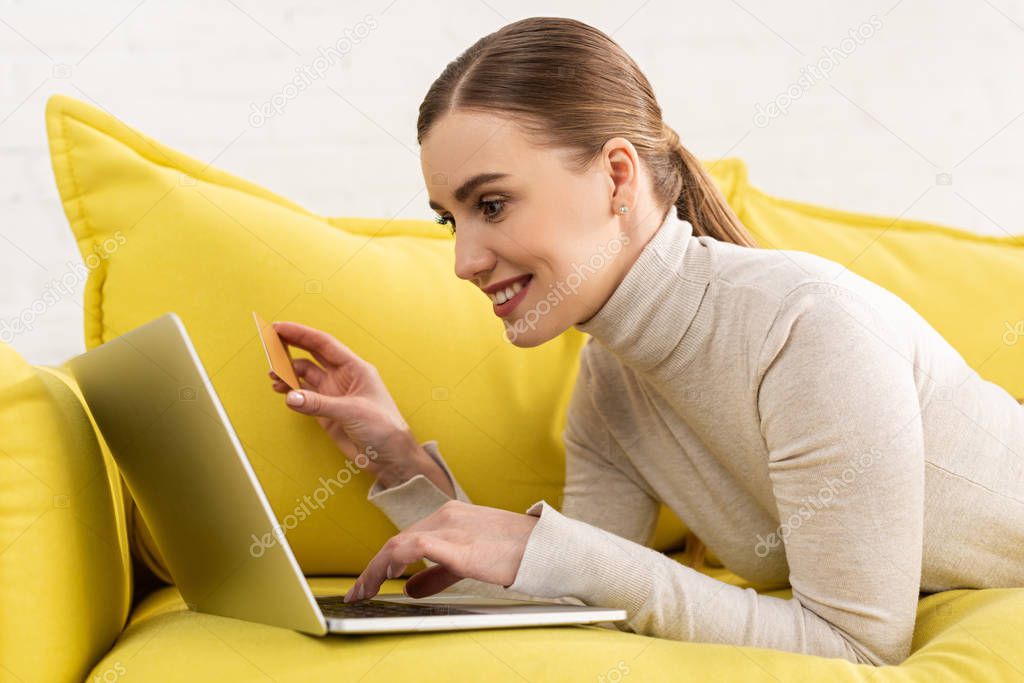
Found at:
(504, 295)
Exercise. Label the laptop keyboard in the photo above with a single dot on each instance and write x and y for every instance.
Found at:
(335, 607)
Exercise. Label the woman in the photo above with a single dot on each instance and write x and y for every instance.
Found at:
(804, 422)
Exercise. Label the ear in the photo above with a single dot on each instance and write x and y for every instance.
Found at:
(622, 163)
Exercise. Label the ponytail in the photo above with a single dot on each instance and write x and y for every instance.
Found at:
(698, 199)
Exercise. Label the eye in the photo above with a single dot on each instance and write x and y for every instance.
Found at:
(489, 217)
(446, 219)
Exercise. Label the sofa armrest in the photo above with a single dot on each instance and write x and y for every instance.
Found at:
(65, 571)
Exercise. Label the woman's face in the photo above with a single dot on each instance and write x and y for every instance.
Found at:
(551, 238)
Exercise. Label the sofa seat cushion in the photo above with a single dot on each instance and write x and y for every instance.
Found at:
(961, 635)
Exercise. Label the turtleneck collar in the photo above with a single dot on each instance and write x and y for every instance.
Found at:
(653, 317)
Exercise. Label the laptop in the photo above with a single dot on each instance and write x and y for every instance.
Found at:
(197, 492)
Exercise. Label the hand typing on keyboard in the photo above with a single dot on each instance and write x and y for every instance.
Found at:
(464, 540)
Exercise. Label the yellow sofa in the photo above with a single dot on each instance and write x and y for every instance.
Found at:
(161, 231)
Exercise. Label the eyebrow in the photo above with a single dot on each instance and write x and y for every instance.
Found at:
(467, 187)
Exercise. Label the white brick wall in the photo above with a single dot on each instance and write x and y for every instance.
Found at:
(935, 89)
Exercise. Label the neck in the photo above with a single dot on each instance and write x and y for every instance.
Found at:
(640, 234)
(650, 318)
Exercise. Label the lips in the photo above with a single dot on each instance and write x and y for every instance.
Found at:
(506, 307)
(491, 289)
(507, 289)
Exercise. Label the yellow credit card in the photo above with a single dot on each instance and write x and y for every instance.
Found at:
(277, 354)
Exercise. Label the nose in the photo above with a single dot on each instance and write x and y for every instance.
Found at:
(472, 257)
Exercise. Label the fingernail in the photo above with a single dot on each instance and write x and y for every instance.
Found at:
(295, 398)
(360, 592)
(348, 596)
(389, 572)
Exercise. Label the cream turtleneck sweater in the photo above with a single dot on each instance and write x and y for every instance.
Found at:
(807, 424)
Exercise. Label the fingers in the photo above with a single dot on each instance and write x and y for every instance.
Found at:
(324, 347)
(357, 591)
(310, 402)
(310, 377)
(346, 409)
(281, 387)
(400, 551)
(309, 371)
(420, 540)
(430, 581)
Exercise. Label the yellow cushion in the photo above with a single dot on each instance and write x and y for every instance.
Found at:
(966, 285)
(163, 232)
(962, 636)
(65, 573)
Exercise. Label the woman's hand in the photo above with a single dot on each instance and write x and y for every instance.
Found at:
(466, 541)
(351, 403)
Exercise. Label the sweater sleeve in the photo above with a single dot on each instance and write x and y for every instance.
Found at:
(416, 497)
(839, 409)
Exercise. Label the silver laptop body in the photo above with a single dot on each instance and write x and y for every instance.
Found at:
(198, 493)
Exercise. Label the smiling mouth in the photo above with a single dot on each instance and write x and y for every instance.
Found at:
(504, 295)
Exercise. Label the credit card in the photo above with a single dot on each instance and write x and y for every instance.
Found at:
(277, 354)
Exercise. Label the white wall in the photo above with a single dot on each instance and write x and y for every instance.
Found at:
(935, 89)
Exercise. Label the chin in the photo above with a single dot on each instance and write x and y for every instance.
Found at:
(520, 334)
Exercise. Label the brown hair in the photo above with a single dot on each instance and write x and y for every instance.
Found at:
(570, 86)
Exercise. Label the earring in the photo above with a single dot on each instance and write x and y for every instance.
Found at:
(623, 209)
